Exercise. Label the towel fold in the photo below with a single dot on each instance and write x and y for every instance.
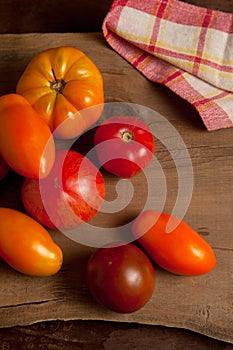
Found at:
(185, 47)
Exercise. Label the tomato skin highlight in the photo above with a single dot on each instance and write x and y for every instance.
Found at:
(182, 251)
(71, 194)
(27, 246)
(131, 144)
(120, 278)
(59, 83)
(26, 142)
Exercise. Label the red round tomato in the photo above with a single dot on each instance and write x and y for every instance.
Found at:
(72, 193)
(4, 168)
(121, 278)
(27, 246)
(26, 142)
(59, 83)
(124, 145)
(181, 251)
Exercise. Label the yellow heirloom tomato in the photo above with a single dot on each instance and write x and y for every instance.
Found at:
(62, 84)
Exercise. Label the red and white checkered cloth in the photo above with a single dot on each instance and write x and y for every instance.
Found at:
(185, 47)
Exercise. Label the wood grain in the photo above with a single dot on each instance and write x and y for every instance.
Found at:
(202, 304)
(99, 335)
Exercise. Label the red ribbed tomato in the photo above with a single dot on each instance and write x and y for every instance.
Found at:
(72, 193)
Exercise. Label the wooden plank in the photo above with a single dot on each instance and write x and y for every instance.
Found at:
(202, 304)
(99, 335)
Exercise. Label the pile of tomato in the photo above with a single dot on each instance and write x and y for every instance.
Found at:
(56, 87)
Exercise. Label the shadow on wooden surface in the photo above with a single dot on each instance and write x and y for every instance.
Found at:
(27, 16)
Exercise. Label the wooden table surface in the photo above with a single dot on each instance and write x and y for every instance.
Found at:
(58, 312)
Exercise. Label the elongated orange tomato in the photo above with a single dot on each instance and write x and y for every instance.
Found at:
(180, 250)
(26, 142)
(26, 245)
(59, 83)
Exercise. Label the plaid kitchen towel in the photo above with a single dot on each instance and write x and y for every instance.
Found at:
(185, 47)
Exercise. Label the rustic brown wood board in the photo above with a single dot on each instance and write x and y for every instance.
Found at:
(203, 304)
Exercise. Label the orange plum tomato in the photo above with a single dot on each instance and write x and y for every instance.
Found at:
(4, 168)
(122, 278)
(124, 145)
(26, 142)
(179, 250)
(27, 246)
(63, 84)
(71, 194)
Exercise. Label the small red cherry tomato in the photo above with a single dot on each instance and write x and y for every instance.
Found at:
(124, 145)
(181, 251)
(72, 193)
(121, 278)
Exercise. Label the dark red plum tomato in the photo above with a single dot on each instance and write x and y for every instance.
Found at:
(121, 278)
